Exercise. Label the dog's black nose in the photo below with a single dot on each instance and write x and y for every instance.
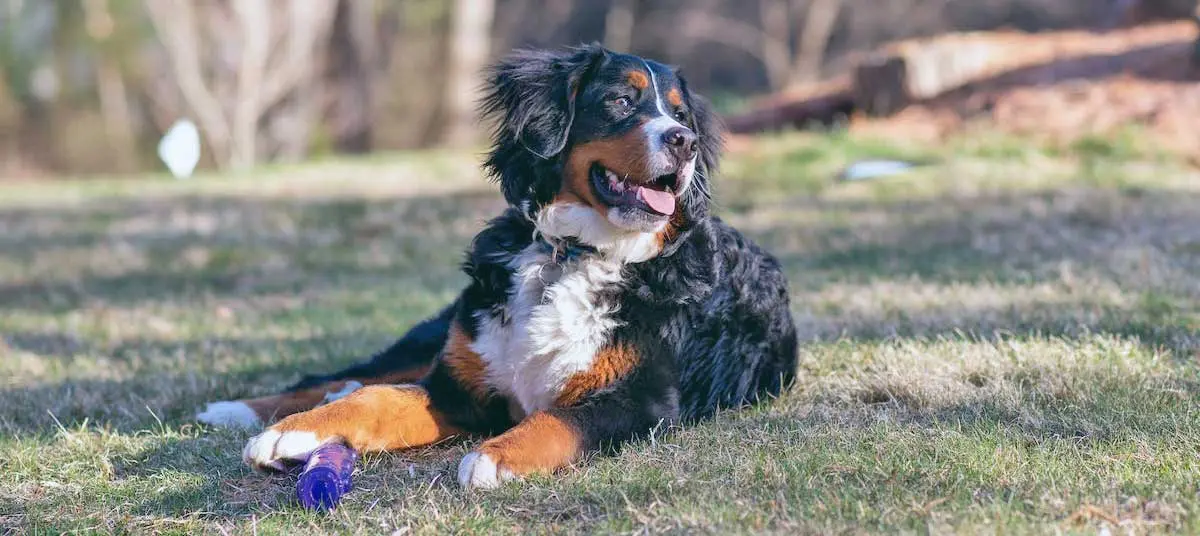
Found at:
(682, 143)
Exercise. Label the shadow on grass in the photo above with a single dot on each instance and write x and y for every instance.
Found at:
(221, 487)
(175, 392)
(1118, 261)
(1146, 242)
(1143, 243)
(1007, 237)
(131, 253)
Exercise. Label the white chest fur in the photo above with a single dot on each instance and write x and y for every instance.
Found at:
(551, 332)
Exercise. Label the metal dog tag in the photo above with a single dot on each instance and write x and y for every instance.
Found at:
(550, 273)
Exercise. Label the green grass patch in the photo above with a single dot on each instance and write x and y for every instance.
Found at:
(1004, 340)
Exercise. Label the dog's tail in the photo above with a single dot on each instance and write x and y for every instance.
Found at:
(406, 360)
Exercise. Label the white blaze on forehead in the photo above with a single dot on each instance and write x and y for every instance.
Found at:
(658, 100)
(657, 127)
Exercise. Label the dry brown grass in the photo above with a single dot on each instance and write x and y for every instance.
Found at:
(1006, 341)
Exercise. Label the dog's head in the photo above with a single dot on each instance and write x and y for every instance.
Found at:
(609, 144)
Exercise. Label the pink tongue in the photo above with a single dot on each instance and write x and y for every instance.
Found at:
(662, 202)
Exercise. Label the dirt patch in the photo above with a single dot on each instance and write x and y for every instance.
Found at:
(1057, 85)
(1094, 84)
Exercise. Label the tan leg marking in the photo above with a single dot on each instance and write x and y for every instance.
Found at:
(374, 418)
(254, 412)
(542, 442)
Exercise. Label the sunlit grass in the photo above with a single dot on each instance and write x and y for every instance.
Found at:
(1003, 340)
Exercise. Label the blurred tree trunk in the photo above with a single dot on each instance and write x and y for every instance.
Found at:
(1196, 45)
(100, 24)
(469, 48)
(245, 69)
(117, 115)
(787, 65)
(353, 55)
(770, 42)
(819, 23)
(619, 24)
(774, 40)
(31, 144)
(1134, 12)
(507, 29)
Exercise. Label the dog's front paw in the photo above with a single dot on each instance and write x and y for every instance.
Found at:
(479, 470)
(275, 449)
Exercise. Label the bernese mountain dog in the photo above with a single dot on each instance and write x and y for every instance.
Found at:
(604, 302)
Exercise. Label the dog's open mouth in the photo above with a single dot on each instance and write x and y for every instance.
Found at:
(656, 197)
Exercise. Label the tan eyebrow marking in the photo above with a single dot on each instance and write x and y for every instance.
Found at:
(675, 97)
(638, 80)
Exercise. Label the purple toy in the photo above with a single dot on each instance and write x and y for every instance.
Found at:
(326, 477)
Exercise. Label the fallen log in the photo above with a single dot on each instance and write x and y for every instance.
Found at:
(918, 71)
(826, 104)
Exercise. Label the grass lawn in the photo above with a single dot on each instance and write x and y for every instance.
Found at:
(1005, 341)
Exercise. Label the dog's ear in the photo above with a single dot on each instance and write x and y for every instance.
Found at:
(708, 128)
(710, 132)
(531, 96)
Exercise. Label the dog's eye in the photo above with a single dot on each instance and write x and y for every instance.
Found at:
(681, 115)
(623, 103)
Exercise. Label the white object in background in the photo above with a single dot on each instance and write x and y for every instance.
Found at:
(873, 169)
(179, 148)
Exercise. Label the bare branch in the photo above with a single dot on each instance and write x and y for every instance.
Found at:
(776, 34)
(175, 23)
(254, 19)
(814, 39)
(470, 45)
(310, 25)
(237, 64)
(724, 30)
(704, 25)
(619, 24)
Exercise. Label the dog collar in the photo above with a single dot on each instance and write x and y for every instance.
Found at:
(569, 249)
(561, 252)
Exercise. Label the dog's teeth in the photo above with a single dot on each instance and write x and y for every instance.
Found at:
(614, 182)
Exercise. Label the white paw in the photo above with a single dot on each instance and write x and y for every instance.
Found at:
(229, 414)
(479, 471)
(350, 387)
(271, 449)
